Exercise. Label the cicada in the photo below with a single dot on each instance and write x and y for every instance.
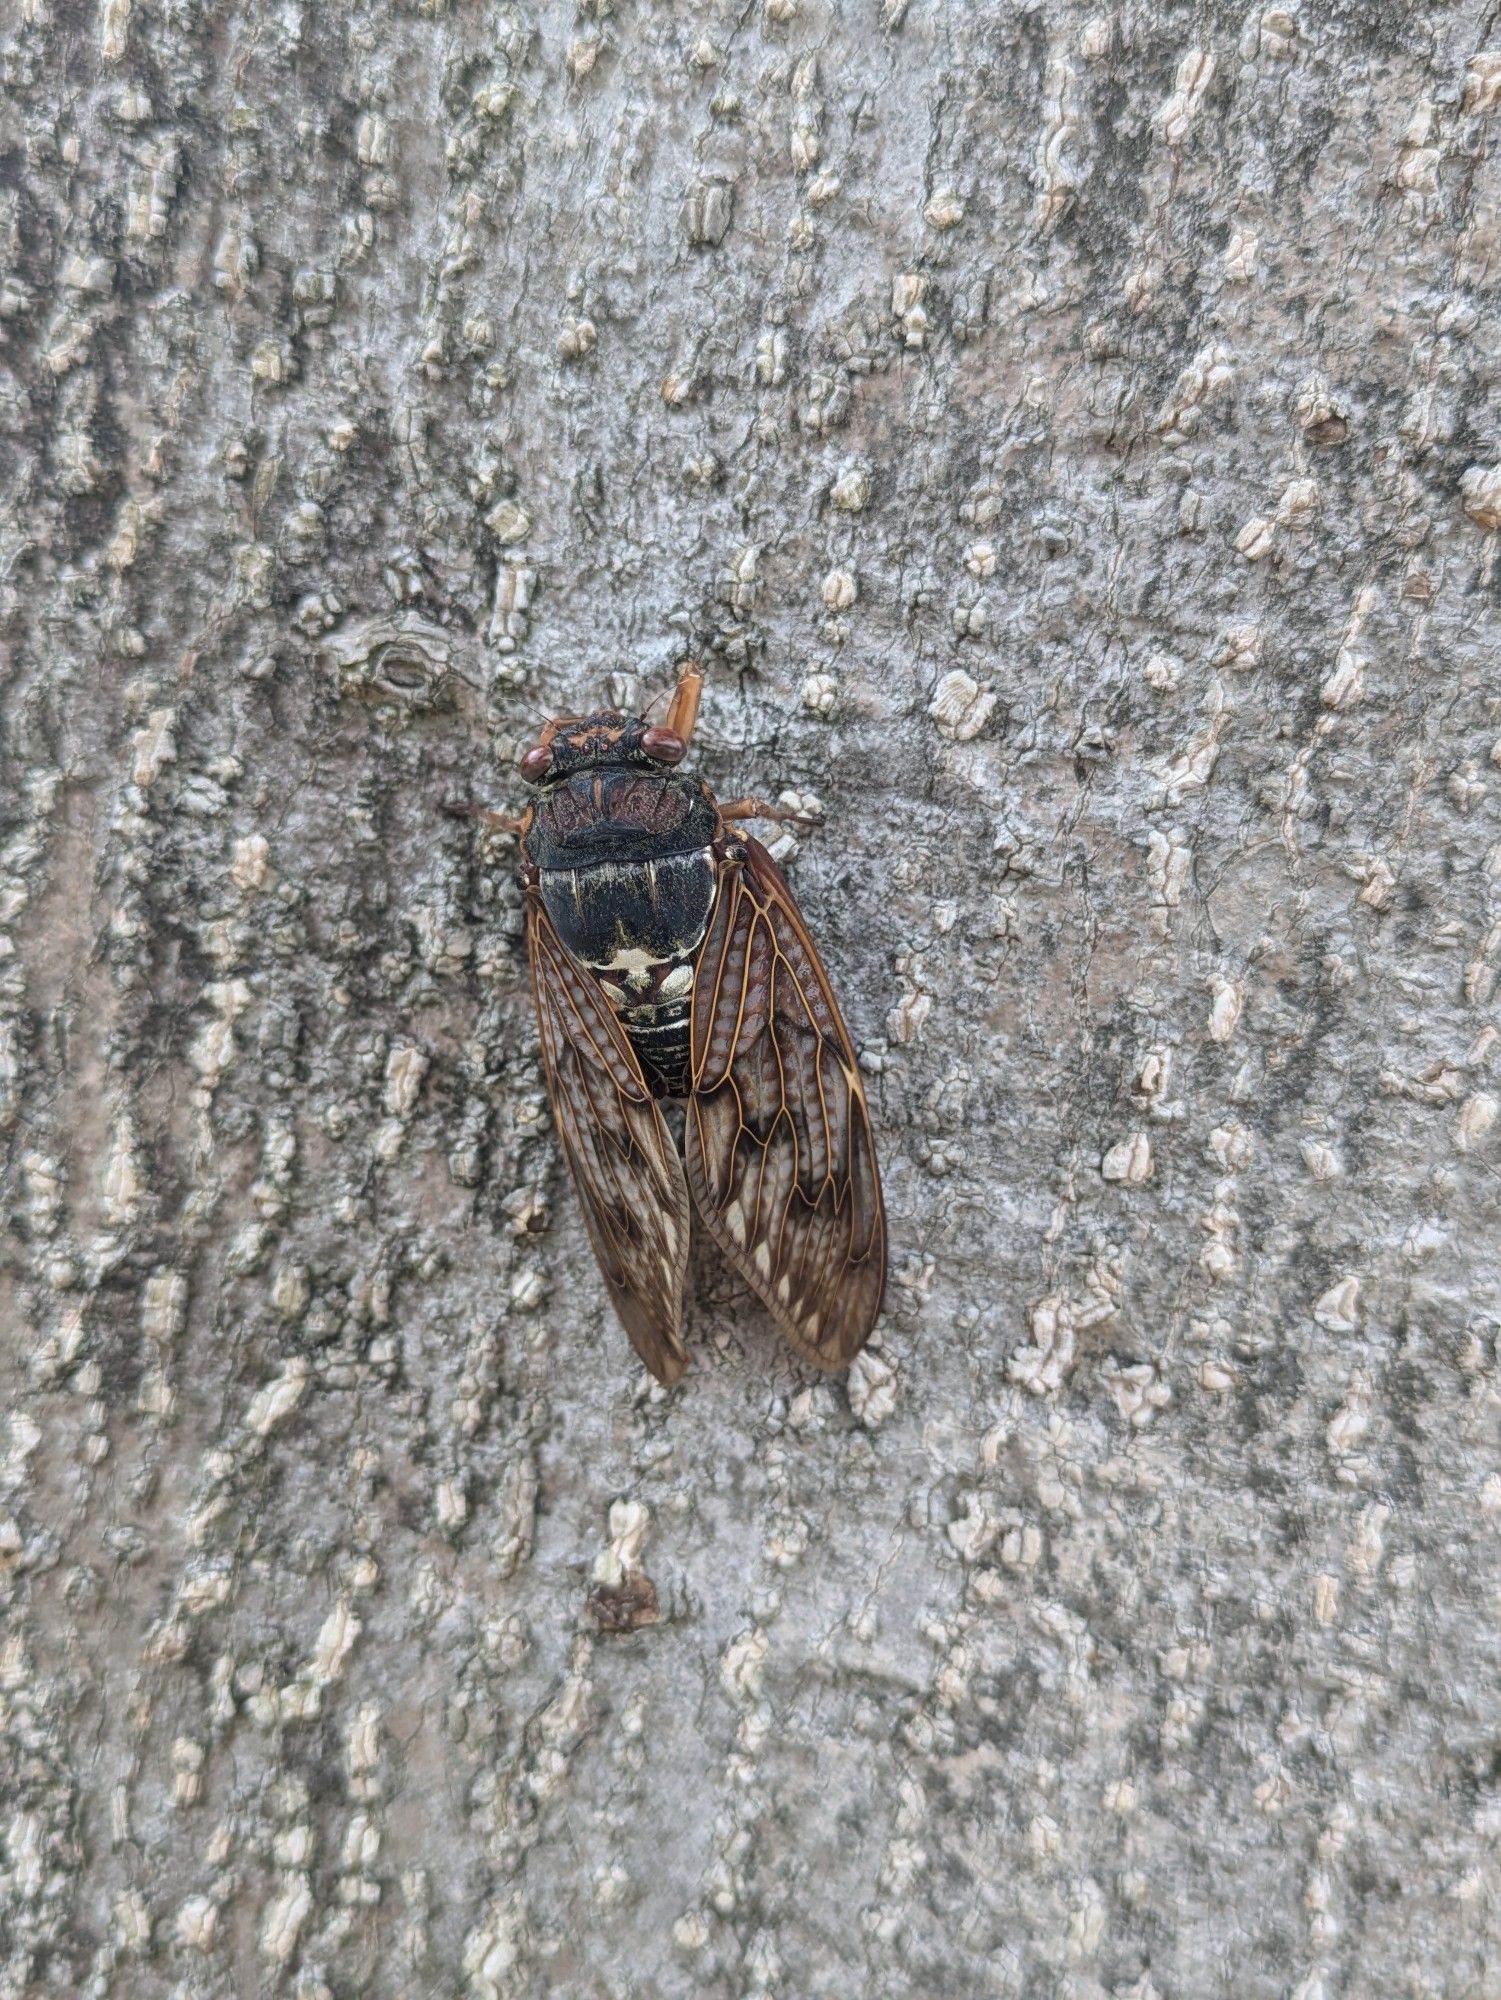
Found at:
(669, 963)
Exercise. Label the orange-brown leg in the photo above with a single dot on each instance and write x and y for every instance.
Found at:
(759, 809)
(682, 710)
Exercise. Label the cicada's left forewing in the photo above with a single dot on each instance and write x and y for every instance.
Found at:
(619, 1151)
(779, 1151)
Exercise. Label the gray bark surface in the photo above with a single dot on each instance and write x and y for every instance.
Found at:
(1069, 437)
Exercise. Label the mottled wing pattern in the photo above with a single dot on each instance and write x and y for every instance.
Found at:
(780, 1155)
(621, 1156)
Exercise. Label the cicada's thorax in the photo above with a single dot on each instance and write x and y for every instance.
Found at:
(625, 866)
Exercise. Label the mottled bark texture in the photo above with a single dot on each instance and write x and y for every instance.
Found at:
(1069, 438)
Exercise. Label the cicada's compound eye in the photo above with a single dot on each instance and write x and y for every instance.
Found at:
(536, 763)
(663, 746)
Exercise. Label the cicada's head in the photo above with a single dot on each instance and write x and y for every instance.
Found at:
(587, 742)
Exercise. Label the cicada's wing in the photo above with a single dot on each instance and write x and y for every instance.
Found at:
(618, 1148)
(779, 1150)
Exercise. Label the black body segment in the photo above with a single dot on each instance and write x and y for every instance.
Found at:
(626, 872)
(618, 813)
(628, 914)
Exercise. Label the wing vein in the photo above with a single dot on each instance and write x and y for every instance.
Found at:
(779, 1156)
(619, 1152)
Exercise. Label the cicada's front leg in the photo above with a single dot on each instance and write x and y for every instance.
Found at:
(682, 710)
(760, 809)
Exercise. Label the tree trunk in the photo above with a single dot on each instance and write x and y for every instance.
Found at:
(1069, 438)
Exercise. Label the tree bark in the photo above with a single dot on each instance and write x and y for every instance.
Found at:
(1069, 436)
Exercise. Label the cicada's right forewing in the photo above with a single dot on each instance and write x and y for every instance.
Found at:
(780, 1154)
(619, 1151)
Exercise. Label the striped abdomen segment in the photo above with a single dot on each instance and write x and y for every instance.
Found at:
(659, 1029)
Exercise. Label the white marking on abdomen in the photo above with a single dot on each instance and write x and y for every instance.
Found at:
(630, 958)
